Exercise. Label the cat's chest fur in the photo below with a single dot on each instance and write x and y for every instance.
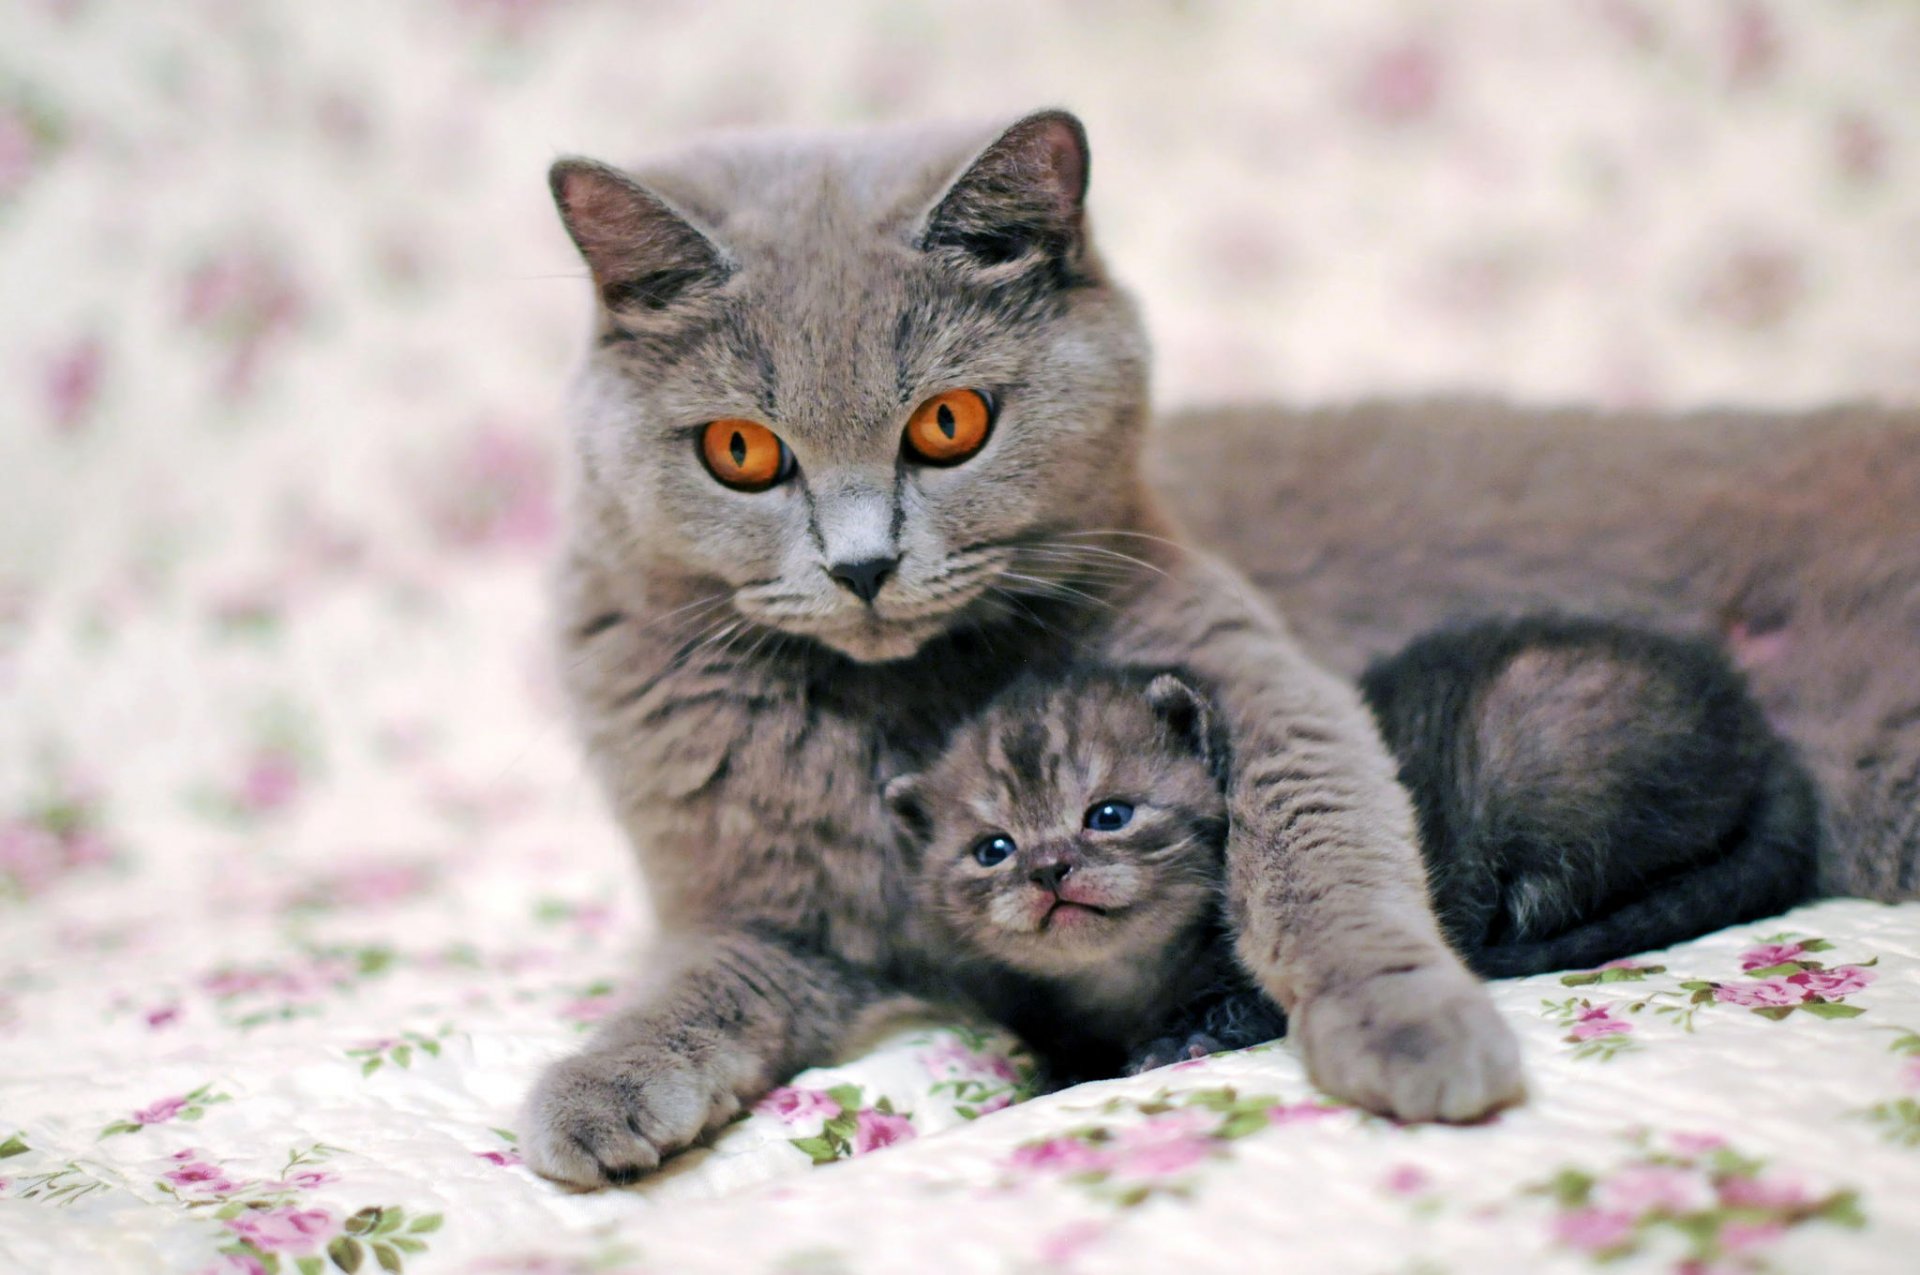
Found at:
(757, 794)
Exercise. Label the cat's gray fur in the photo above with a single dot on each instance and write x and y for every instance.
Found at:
(742, 712)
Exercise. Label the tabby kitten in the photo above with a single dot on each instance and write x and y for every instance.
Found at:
(1586, 791)
(1072, 844)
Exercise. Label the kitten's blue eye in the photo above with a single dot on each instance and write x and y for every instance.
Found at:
(993, 850)
(1109, 816)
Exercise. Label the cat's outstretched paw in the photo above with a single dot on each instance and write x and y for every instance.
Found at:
(1419, 1044)
(1168, 1050)
(600, 1119)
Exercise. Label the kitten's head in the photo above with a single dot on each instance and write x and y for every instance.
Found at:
(870, 385)
(1073, 822)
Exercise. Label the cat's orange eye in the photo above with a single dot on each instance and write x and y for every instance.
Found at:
(949, 427)
(745, 455)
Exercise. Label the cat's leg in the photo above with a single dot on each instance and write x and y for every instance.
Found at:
(731, 1015)
(1326, 891)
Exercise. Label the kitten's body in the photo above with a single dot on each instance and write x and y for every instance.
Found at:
(1586, 791)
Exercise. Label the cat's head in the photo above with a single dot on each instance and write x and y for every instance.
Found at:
(1074, 821)
(873, 385)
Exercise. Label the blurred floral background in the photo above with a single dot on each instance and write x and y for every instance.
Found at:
(287, 315)
(285, 319)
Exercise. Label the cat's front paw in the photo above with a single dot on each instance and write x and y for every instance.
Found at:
(1168, 1050)
(1419, 1044)
(599, 1119)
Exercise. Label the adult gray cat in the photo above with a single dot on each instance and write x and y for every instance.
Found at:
(858, 441)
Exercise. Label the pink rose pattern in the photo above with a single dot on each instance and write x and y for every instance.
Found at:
(1779, 976)
(1130, 1162)
(1723, 1208)
(188, 1106)
(975, 1075)
(59, 830)
(1898, 1117)
(836, 1123)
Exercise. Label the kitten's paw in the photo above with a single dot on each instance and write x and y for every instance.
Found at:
(607, 1119)
(1168, 1050)
(1423, 1044)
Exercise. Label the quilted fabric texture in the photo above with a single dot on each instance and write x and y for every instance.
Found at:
(300, 879)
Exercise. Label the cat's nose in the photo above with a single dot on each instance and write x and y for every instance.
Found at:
(1050, 875)
(863, 578)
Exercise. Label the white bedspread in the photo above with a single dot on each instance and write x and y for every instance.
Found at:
(224, 1093)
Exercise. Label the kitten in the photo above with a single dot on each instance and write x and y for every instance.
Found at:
(1072, 847)
(1586, 791)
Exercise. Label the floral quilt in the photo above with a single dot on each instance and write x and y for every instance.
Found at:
(300, 878)
(311, 1100)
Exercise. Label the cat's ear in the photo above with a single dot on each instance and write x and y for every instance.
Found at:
(1023, 197)
(906, 799)
(1185, 712)
(642, 253)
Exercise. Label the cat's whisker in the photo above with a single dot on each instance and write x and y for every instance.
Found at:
(688, 617)
(1133, 535)
(1059, 547)
(1056, 589)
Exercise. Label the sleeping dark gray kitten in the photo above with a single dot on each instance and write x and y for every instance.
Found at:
(1586, 790)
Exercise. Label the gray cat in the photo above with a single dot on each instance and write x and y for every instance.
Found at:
(1585, 790)
(860, 438)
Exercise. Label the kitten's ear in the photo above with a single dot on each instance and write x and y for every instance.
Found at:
(1023, 196)
(642, 253)
(1185, 712)
(905, 798)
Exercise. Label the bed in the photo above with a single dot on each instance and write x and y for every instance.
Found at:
(300, 879)
(264, 1084)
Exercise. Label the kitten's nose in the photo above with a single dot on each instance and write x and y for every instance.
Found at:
(1051, 874)
(863, 578)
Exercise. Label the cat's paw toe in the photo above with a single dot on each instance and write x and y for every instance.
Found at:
(1418, 1045)
(1168, 1050)
(608, 1119)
